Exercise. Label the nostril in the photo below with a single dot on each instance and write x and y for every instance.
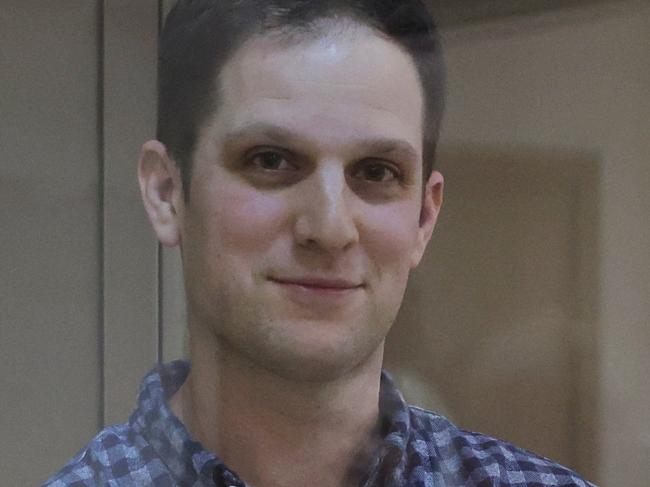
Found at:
(330, 232)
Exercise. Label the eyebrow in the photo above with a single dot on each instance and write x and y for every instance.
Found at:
(264, 129)
(276, 133)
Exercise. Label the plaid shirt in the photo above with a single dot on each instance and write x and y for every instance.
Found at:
(419, 449)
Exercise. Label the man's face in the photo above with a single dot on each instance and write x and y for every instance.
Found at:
(304, 218)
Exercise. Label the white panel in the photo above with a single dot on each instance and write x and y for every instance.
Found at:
(130, 264)
(49, 243)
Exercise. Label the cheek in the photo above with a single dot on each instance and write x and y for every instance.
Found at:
(390, 236)
(245, 221)
(229, 235)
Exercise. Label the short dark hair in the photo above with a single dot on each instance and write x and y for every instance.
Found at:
(200, 36)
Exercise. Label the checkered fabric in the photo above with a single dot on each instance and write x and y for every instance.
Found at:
(419, 449)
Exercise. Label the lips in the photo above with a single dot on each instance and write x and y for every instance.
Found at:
(318, 283)
(320, 296)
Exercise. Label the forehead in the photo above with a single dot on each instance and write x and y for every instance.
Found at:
(329, 85)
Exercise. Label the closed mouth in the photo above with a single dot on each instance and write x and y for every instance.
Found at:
(319, 283)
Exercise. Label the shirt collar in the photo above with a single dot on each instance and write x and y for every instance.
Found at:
(395, 424)
(189, 461)
(154, 420)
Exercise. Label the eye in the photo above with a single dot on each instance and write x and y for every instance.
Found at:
(378, 172)
(271, 161)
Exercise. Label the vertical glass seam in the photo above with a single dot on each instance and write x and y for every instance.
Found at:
(159, 250)
(101, 413)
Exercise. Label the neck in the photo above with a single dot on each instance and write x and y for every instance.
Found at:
(275, 431)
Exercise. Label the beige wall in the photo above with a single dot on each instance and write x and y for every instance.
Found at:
(579, 81)
(78, 275)
(50, 364)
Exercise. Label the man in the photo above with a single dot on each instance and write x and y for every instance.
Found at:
(294, 168)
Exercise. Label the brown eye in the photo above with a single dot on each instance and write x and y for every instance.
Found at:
(377, 172)
(271, 161)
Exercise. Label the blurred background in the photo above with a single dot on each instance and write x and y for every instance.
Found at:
(529, 318)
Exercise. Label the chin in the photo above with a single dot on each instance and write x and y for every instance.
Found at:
(312, 369)
(323, 360)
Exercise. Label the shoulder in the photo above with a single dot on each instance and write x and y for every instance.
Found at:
(116, 456)
(477, 459)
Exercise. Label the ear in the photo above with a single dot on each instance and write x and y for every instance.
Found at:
(161, 189)
(431, 204)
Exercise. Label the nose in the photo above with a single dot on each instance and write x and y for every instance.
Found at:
(324, 214)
